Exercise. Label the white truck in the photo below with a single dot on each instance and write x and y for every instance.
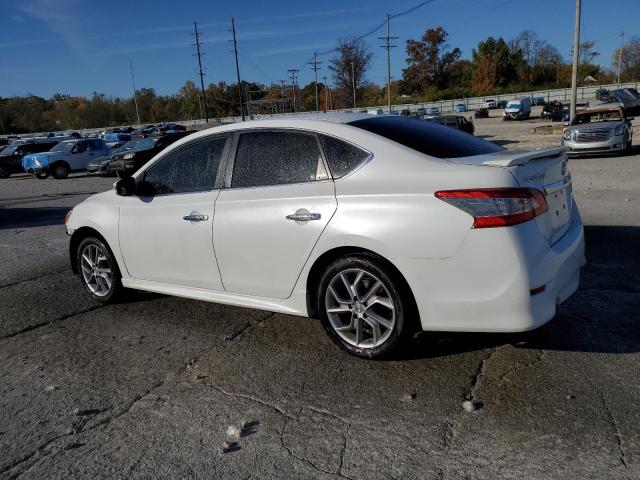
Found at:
(519, 109)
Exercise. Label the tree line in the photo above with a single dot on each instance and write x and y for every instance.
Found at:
(434, 70)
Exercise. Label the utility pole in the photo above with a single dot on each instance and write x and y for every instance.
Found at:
(326, 94)
(574, 72)
(204, 97)
(353, 84)
(387, 45)
(282, 82)
(293, 73)
(133, 84)
(314, 65)
(235, 51)
(620, 57)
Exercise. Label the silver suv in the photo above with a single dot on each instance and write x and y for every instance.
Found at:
(599, 129)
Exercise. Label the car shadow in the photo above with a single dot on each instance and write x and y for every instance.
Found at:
(32, 217)
(500, 142)
(601, 317)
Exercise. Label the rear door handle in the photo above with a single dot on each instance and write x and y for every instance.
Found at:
(195, 217)
(303, 215)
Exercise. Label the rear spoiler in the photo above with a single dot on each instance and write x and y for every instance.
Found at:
(509, 158)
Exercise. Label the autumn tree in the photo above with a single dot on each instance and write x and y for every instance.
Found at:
(349, 68)
(494, 65)
(429, 62)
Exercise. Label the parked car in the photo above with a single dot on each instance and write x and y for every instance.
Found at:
(11, 156)
(454, 121)
(538, 101)
(65, 157)
(581, 106)
(99, 165)
(519, 109)
(297, 230)
(111, 139)
(460, 107)
(501, 104)
(125, 163)
(600, 129)
(630, 100)
(554, 111)
(481, 113)
(490, 103)
(603, 95)
(421, 112)
(433, 111)
(405, 112)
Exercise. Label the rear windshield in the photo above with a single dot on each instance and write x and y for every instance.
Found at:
(427, 137)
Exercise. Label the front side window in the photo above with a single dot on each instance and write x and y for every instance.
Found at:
(342, 157)
(276, 158)
(189, 168)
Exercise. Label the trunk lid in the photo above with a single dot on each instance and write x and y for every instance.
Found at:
(545, 170)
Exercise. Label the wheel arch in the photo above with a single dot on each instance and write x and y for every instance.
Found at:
(324, 260)
(58, 162)
(77, 237)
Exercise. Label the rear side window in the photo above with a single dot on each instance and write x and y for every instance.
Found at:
(190, 168)
(276, 158)
(342, 157)
(429, 138)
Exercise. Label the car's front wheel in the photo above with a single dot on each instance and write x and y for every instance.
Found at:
(60, 171)
(4, 173)
(98, 270)
(363, 306)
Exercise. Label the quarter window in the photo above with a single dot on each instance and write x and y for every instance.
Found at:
(190, 168)
(341, 156)
(277, 158)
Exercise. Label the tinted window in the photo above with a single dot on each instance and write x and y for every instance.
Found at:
(276, 158)
(95, 145)
(341, 156)
(427, 137)
(190, 168)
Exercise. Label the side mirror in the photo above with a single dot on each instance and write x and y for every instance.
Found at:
(125, 187)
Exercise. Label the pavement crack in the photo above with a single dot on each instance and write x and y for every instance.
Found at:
(20, 282)
(246, 327)
(523, 366)
(251, 398)
(476, 378)
(616, 431)
(50, 322)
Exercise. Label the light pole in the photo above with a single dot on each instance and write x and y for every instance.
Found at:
(574, 72)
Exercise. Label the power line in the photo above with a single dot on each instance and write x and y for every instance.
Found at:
(314, 65)
(387, 45)
(204, 97)
(235, 50)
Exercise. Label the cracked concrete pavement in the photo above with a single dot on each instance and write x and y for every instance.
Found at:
(147, 388)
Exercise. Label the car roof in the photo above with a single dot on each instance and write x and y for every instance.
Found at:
(603, 106)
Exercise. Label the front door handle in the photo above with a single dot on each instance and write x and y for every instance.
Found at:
(195, 217)
(303, 215)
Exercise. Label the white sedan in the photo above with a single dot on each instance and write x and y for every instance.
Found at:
(377, 225)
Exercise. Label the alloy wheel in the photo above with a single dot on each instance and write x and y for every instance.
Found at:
(360, 308)
(97, 271)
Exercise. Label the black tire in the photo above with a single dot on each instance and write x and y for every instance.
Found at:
(95, 286)
(59, 170)
(4, 173)
(395, 289)
(41, 175)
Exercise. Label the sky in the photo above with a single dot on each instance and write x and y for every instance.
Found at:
(77, 47)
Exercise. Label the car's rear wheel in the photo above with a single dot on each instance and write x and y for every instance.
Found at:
(60, 171)
(363, 307)
(98, 270)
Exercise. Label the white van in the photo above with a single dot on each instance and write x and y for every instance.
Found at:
(518, 109)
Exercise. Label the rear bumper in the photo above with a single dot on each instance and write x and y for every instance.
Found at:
(487, 286)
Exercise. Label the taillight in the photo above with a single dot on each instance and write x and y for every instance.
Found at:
(68, 216)
(497, 207)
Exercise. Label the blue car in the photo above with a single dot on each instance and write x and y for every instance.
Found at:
(460, 108)
(433, 111)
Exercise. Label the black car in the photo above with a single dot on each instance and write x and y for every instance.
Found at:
(125, 163)
(100, 165)
(11, 156)
(554, 111)
(501, 104)
(481, 113)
